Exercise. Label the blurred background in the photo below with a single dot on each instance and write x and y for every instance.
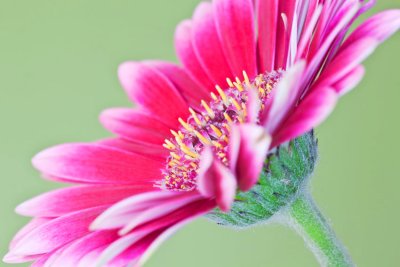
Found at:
(58, 62)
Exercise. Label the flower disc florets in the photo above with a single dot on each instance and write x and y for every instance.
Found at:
(210, 126)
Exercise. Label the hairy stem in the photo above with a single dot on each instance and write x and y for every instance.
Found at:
(308, 221)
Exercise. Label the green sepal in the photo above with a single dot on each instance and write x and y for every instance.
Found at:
(285, 172)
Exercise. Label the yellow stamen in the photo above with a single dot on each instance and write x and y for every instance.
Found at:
(216, 130)
(175, 156)
(221, 93)
(213, 96)
(185, 125)
(194, 115)
(229, 119)
(202, 138)
(246, 79)
(208, 109)
(238, 86)
(215, 143)
(230, 83)
(236, 104)
(188, 152)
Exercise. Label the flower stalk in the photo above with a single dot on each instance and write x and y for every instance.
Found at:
(306, 219)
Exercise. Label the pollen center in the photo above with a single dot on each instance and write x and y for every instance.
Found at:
(209, 125)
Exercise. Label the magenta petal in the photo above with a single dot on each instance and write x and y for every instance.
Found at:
(192, 91)
(153, 151)
(267, 15)
(346, 60)
(153, 91)
(378, 27)
(310, 113)
(135, 125)
(62, 201)
(237, 32)
(215, 180)
(207, 44)
(56, 233)
(89, 163)
(350, 80)
(285, 96)
(248, 149)
(75, 251)
(186, 53)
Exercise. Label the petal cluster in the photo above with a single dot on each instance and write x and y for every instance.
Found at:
(115, 214)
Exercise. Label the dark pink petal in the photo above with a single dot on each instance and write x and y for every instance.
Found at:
(186, 53)
(135, 125)
(310, 113)
(34, 223)
(317, 57)
(236, 29)
(267, 15)
(350, 80)
(66, 200)
(248, 149)
(124, 211)
(285, 96)
(207, 45)
(75, 251)
(378, 27)
(346, 60)
(165, 235)
(284, 29)
(90, 163)
(11, 258)
(56, 233)
(215, 180)
(192, 91)
(153, 151)
(153, 91)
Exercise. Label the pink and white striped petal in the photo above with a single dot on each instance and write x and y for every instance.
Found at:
(248, 148)
(237, 33)
(215, 180)
(152, 90)
(90, 163)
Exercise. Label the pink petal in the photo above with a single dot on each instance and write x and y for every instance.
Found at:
(135, 125)
(248, 149)
(284, 29)
(236, 29)
(56, 233)
(66, 200)
(153, 91)
(285, 96)
(310, 113)
(158, 211)
(186, 54)
(215, 180)
(351, 80)
(89, 163)
(34, 223)
(192, 91)
(121, 213)
(267, 26)
(153, 151)
(379, 27)
(346, 60)
(75, 251)
(207, 45)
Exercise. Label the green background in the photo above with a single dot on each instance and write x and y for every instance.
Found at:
(58, 62)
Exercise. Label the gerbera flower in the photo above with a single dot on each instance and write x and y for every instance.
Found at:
(191, 148)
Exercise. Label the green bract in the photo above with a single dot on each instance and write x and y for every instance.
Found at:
(286, 171)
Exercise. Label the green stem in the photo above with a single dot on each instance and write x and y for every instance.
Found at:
(308, 221)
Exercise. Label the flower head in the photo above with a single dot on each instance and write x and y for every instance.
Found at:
(191, 146)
